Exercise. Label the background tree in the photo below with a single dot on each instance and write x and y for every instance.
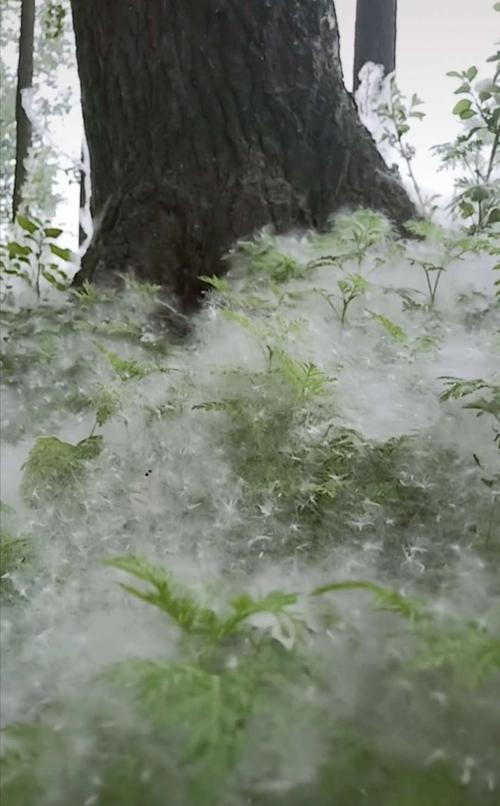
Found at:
(24, 82)
(53, 93)
(375, 37)
(208, 119)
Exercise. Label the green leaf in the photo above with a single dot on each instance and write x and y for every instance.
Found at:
(391, 327)
(458, 387)
(166, 594)
(54, 280)
(494, 216)
(478, 193)
(496, 6)
(107, 405)
(467, 114)
(64, 254)
(461, 106)
(230, 405)
(471, 73)
(467, 209)
(16, 249)
(386, 598)
(87, 294)
(28, 224)
(463, 88)
(486, 406)
(126, 368)
(220, 284)
(52, 232)
(305, 377)
(244, 607)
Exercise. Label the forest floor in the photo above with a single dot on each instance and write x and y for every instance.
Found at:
(305, 488)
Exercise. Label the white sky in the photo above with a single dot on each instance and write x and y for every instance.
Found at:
(434, 36)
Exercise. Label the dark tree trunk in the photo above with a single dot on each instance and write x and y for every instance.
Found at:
(82, 203)
(24, 81)
(208, 119)
(375, 37)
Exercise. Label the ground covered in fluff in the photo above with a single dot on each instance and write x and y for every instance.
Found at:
(298, 494)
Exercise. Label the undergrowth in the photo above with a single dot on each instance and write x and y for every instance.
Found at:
(261, 450)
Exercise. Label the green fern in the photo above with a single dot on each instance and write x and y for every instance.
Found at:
(168, 596)
(394, 330)
(107, 404)
(305, 377)
(128, 369)
(458, 387)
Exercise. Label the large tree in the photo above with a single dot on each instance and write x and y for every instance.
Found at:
(208, 119)
(375, 35)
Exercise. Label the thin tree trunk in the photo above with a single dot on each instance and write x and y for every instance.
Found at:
(82, 203)
(208, 119)
(375, 37)
(24, 81)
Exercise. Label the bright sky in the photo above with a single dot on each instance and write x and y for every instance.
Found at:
(434, 36)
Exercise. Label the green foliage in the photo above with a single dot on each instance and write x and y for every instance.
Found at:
(149, 291)
(263, 257)
(55, 470)
(88, 294)
(305, 378)
(128, 369)
(459, 388)
(390, 327)
(476, 150)
(396, 116)
(271, 334)
(55, 15)
(13, 552)
(169, 597)
(34, 255)
(107, 405)
(447, 248)
(352, 237)
(488, 403)
(202, 710)
(352, 287)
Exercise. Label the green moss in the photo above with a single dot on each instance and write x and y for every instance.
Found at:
(55, 470)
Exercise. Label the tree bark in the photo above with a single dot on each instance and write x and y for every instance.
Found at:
(82, 201)
(209, 119)
(24, 81)
(375, 36)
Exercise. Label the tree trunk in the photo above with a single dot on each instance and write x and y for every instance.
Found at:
(375, 37)
(208, 119)
(81, 203)
(24, 81)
